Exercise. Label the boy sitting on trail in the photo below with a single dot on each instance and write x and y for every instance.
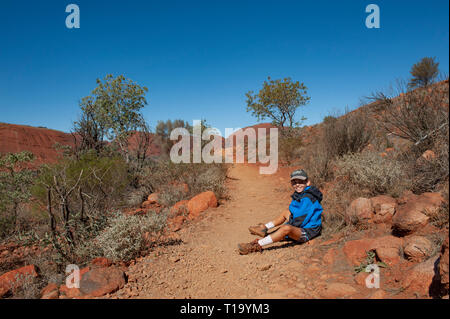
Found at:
(304, 217)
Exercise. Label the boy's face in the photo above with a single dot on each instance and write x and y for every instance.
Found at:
(299, 185)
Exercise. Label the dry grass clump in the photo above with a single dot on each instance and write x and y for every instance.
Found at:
(373, 173)
(124, 238)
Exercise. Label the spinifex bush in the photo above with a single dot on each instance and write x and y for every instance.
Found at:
(374, 173)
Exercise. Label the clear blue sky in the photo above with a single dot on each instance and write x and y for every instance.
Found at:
(199, 58)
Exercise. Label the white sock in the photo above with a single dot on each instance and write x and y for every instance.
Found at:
(269, 225)
(265, 241)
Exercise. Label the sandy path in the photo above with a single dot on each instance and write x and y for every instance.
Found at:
(207, 265)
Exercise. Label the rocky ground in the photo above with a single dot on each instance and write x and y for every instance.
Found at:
(206, 264)
(201, 260)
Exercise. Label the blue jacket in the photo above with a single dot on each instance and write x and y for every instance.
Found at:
(305, 208)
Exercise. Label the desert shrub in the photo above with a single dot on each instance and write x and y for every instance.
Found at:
(338, 196)
(80, 192)
(333, 222)
(348, 133)
(15, 182)
(429, 173)
(289, 144)
(206, 177)
(169, 195)
(163, 177)
(374, 173)
(416, 115)
(317, 163)
(123, 239)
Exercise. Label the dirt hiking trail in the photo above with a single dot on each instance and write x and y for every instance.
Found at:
(206, 264)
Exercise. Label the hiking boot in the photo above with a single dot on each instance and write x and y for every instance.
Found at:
(259, 230)
(252, 247)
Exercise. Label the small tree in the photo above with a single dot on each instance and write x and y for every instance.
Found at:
(278, 100)
(15, 183)
(423, 73)
(112, 111)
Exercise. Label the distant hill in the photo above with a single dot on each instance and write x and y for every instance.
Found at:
(40, 141)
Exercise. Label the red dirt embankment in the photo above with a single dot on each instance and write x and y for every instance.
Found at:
(40, 141)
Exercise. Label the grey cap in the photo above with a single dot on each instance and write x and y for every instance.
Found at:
(299, 174)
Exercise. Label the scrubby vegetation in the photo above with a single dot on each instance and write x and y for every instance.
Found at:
(399, 142)
(75, 207)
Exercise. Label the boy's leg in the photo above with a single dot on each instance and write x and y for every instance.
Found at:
(284, 217)
(286, 230)
(256, 245)
(261, 229)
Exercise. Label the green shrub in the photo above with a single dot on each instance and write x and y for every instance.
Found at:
(81, 191)
(15, 182)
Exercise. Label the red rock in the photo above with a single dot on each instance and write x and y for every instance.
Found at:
(338, 290)
(361, 209)
(412, 215)
(388, 249)
(356, 250)
(16, 278)
(179, 208)
(419, 279)
(387, 242)
(101, 262)
(406, 197)
(417, 248)
(329, 256)
(176, 222)
(50, 292)
(69, 292)
(443, 267)
(152, 198)
(360, 278)
(428, 155)
(146, 204)
(101, 281)
(390, 256)
(384, 207)
(200, 203)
